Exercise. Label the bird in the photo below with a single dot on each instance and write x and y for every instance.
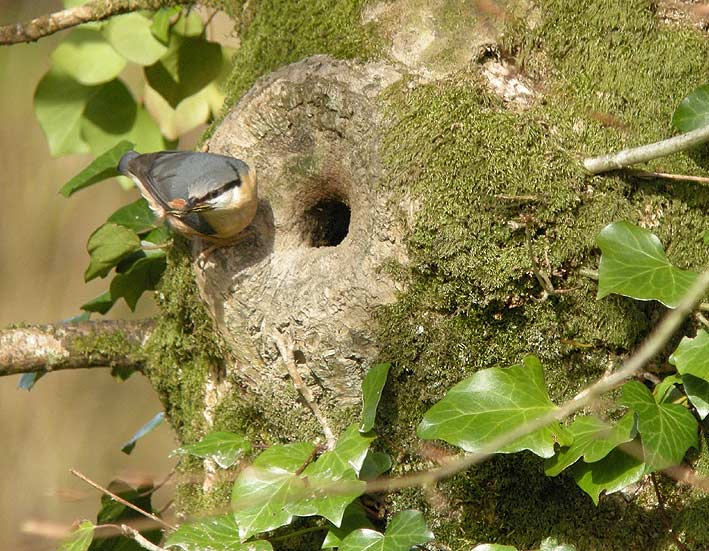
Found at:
(205, 195)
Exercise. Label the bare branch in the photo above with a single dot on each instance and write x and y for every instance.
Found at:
(627, 157)
(105, 343)
(96, 10)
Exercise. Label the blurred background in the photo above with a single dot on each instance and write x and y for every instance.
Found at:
(71, 419)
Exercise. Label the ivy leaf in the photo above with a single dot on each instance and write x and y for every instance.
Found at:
(593, 439)
(484, 407)
(161, 23)
(100, 304)
(112, 115)
(157, 419)
(372, 387)
(143, 275)
(101, 168)
(189, 23)
(130, 34)
(79, 539)
(273, 490)
(189, 65)
(135, 216)
(693, 111)
(666, 430)
(406, 530)
(349, 453)
(59, 103)
(634, 264)
(223, 447)
(665, 390)
(87, 57)
(493, 547)
(375, 465)
(691, 357)
(698, 393)
(107, 246)
(216, 533)
(614, 472)
(355, 517)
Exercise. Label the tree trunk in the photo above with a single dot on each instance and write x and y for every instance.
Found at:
(407, 206)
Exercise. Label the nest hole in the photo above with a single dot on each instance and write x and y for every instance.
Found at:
(326, 223)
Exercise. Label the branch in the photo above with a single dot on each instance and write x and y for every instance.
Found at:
(96, 10)
(105, 343)
(648, 152)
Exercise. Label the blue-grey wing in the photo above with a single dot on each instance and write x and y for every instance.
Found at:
(184, 180)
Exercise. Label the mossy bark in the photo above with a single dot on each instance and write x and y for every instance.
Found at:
(478, 157)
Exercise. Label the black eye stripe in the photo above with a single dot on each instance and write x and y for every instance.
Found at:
(217, 192)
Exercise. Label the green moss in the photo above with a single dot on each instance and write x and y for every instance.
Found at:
(492, 184)
(275, 33)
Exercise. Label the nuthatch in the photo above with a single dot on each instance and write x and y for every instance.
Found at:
(201, 194)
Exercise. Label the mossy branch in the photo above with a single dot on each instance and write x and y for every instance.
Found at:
(627, 157)
(96, 10)
(105, 343)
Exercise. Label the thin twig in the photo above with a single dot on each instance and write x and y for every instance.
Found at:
(287, 355)
(73, 346)
(668, 176)
(649, 349)
(589, 273)
(121, 500)
(45, 25)
(627, 157)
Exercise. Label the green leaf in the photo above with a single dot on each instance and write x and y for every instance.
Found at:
(611, 474)
(665, 390)
(485, 406)
(372, 387)
(143, 275)
(135, 216)
(87, 57)
(698, 393)
(493, 547)
(693, 111)
(158, 236)
(114, 512)
(101, 304)
(107, 246)
(79, 539)
(131, 37)
(349, 453)
(667, 430)
(161, 23)
(691, 357)
(375, 465)
(189, 23)
(634, 264)
(156, 420)
(223, 447)
(355, 517)
(405, 530)
(216, 534)
(188, 66)
(59, 103)
(101, 168)
(593, 440)
(550, 544)
(273, 490)
(112, 115)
